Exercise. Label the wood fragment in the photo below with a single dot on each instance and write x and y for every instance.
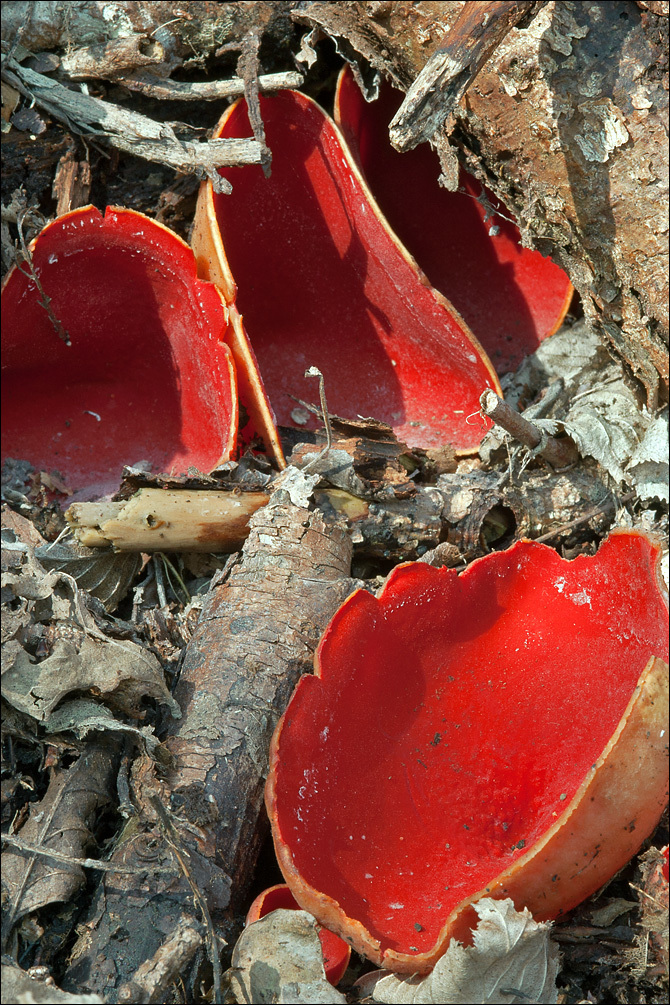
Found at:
(72, 184)
(131, 132)
(167, 520)
(445, 78)
(151, 86)
(152, 979)
(559, 453)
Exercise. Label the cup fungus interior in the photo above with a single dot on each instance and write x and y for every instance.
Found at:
(146, 376)
(511, 297)
(321, 281)
(449, 724)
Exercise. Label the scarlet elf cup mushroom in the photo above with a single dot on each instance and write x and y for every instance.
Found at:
(147, 373)
(511, 297)
(310, 262)
(501, 733)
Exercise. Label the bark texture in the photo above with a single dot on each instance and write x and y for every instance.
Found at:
(256, 636)
(566, 123)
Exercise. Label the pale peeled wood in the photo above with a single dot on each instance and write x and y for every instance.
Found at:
(167, 520)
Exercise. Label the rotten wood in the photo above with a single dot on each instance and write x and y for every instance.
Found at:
(170, 32)
(153, 977)
(131, 132)
(167, 520)
(256, 636)
(560, 453)
(445, 78)
(582, 168)
(72, 184)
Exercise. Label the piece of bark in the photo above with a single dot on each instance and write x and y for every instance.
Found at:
(184, 31)
(72, 184)
(256, 636)
(566, 124)
(167, 520)
(445, 78)
(131, 132)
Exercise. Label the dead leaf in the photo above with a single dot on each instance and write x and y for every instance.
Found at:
(106, 575)
(653, 896)
(59, 822)
(513, 960)
(123, 672)
(82, 716)
(279, 959)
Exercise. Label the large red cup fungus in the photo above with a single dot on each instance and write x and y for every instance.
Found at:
(500, 733)
(321, 281)
(510, 296)
(148, 374)
(336, 952)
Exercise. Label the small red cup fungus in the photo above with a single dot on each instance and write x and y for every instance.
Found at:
(336, 952)
(321, 281)
(499, 733)
(466, 243)
(147, 374)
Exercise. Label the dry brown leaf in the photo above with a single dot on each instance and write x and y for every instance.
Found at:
(279, 959)
(121, 671)
(58, 822)
(513, 960)
(106, 575)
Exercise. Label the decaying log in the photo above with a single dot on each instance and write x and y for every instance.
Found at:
(170, 33)
(167, 520)
(478, 30)
(256, 636)
(566, 123)
(475, 511)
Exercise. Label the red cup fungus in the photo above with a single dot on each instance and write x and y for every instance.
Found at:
(336, 952)
(466, 243)
(310, 263)
(147, 374)
(498, 733)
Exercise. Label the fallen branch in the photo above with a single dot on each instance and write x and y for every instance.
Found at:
(131, 132)
(559, 453)
(167, 520)
(256, 636)
(451, 69)
(207, 90)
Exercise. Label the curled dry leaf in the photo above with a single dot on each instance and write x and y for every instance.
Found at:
(513, 959)
(106, 575)
(60, 823)
(82, 717)
(279, 959)
(653, 896)
(121, 671)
